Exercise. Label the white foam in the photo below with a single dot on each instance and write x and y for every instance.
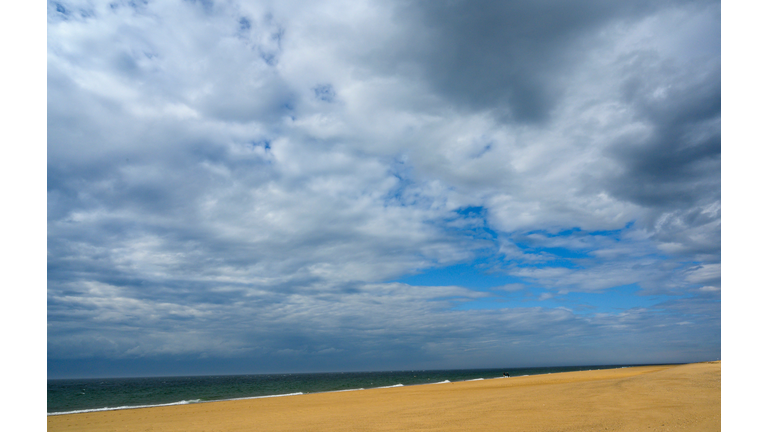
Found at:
(339, 391)
(184, 402)
(392, 386)
(442, 382)
(476, 379)
(259, 397)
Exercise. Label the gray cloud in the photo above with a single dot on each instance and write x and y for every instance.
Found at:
(240, 180)
(511, 57)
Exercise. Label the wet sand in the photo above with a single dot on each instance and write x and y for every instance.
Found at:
(648, 398)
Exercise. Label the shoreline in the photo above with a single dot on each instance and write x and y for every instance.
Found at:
(199, 401)
(623, 398)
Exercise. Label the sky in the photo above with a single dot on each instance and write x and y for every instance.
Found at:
(301, 186)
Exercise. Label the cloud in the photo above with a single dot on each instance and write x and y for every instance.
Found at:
(708, 274)
(252, 178)
(390, 320)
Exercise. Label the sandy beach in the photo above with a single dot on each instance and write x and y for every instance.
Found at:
(648, 398)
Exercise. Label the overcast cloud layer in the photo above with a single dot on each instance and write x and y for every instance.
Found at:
(243, 186)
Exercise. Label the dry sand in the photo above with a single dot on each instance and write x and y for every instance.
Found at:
(648, 398)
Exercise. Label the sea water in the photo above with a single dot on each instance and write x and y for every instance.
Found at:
(67, 396)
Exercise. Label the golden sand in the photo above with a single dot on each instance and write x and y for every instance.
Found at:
(648, 398)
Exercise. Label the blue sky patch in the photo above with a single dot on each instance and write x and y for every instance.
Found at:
(325, 93)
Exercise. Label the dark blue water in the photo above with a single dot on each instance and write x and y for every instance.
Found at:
(65, 396)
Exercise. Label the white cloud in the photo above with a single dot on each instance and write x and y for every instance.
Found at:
(221, 160)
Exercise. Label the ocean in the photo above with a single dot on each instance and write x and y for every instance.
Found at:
(68, 396)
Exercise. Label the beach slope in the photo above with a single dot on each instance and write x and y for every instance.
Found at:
(647, 398)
